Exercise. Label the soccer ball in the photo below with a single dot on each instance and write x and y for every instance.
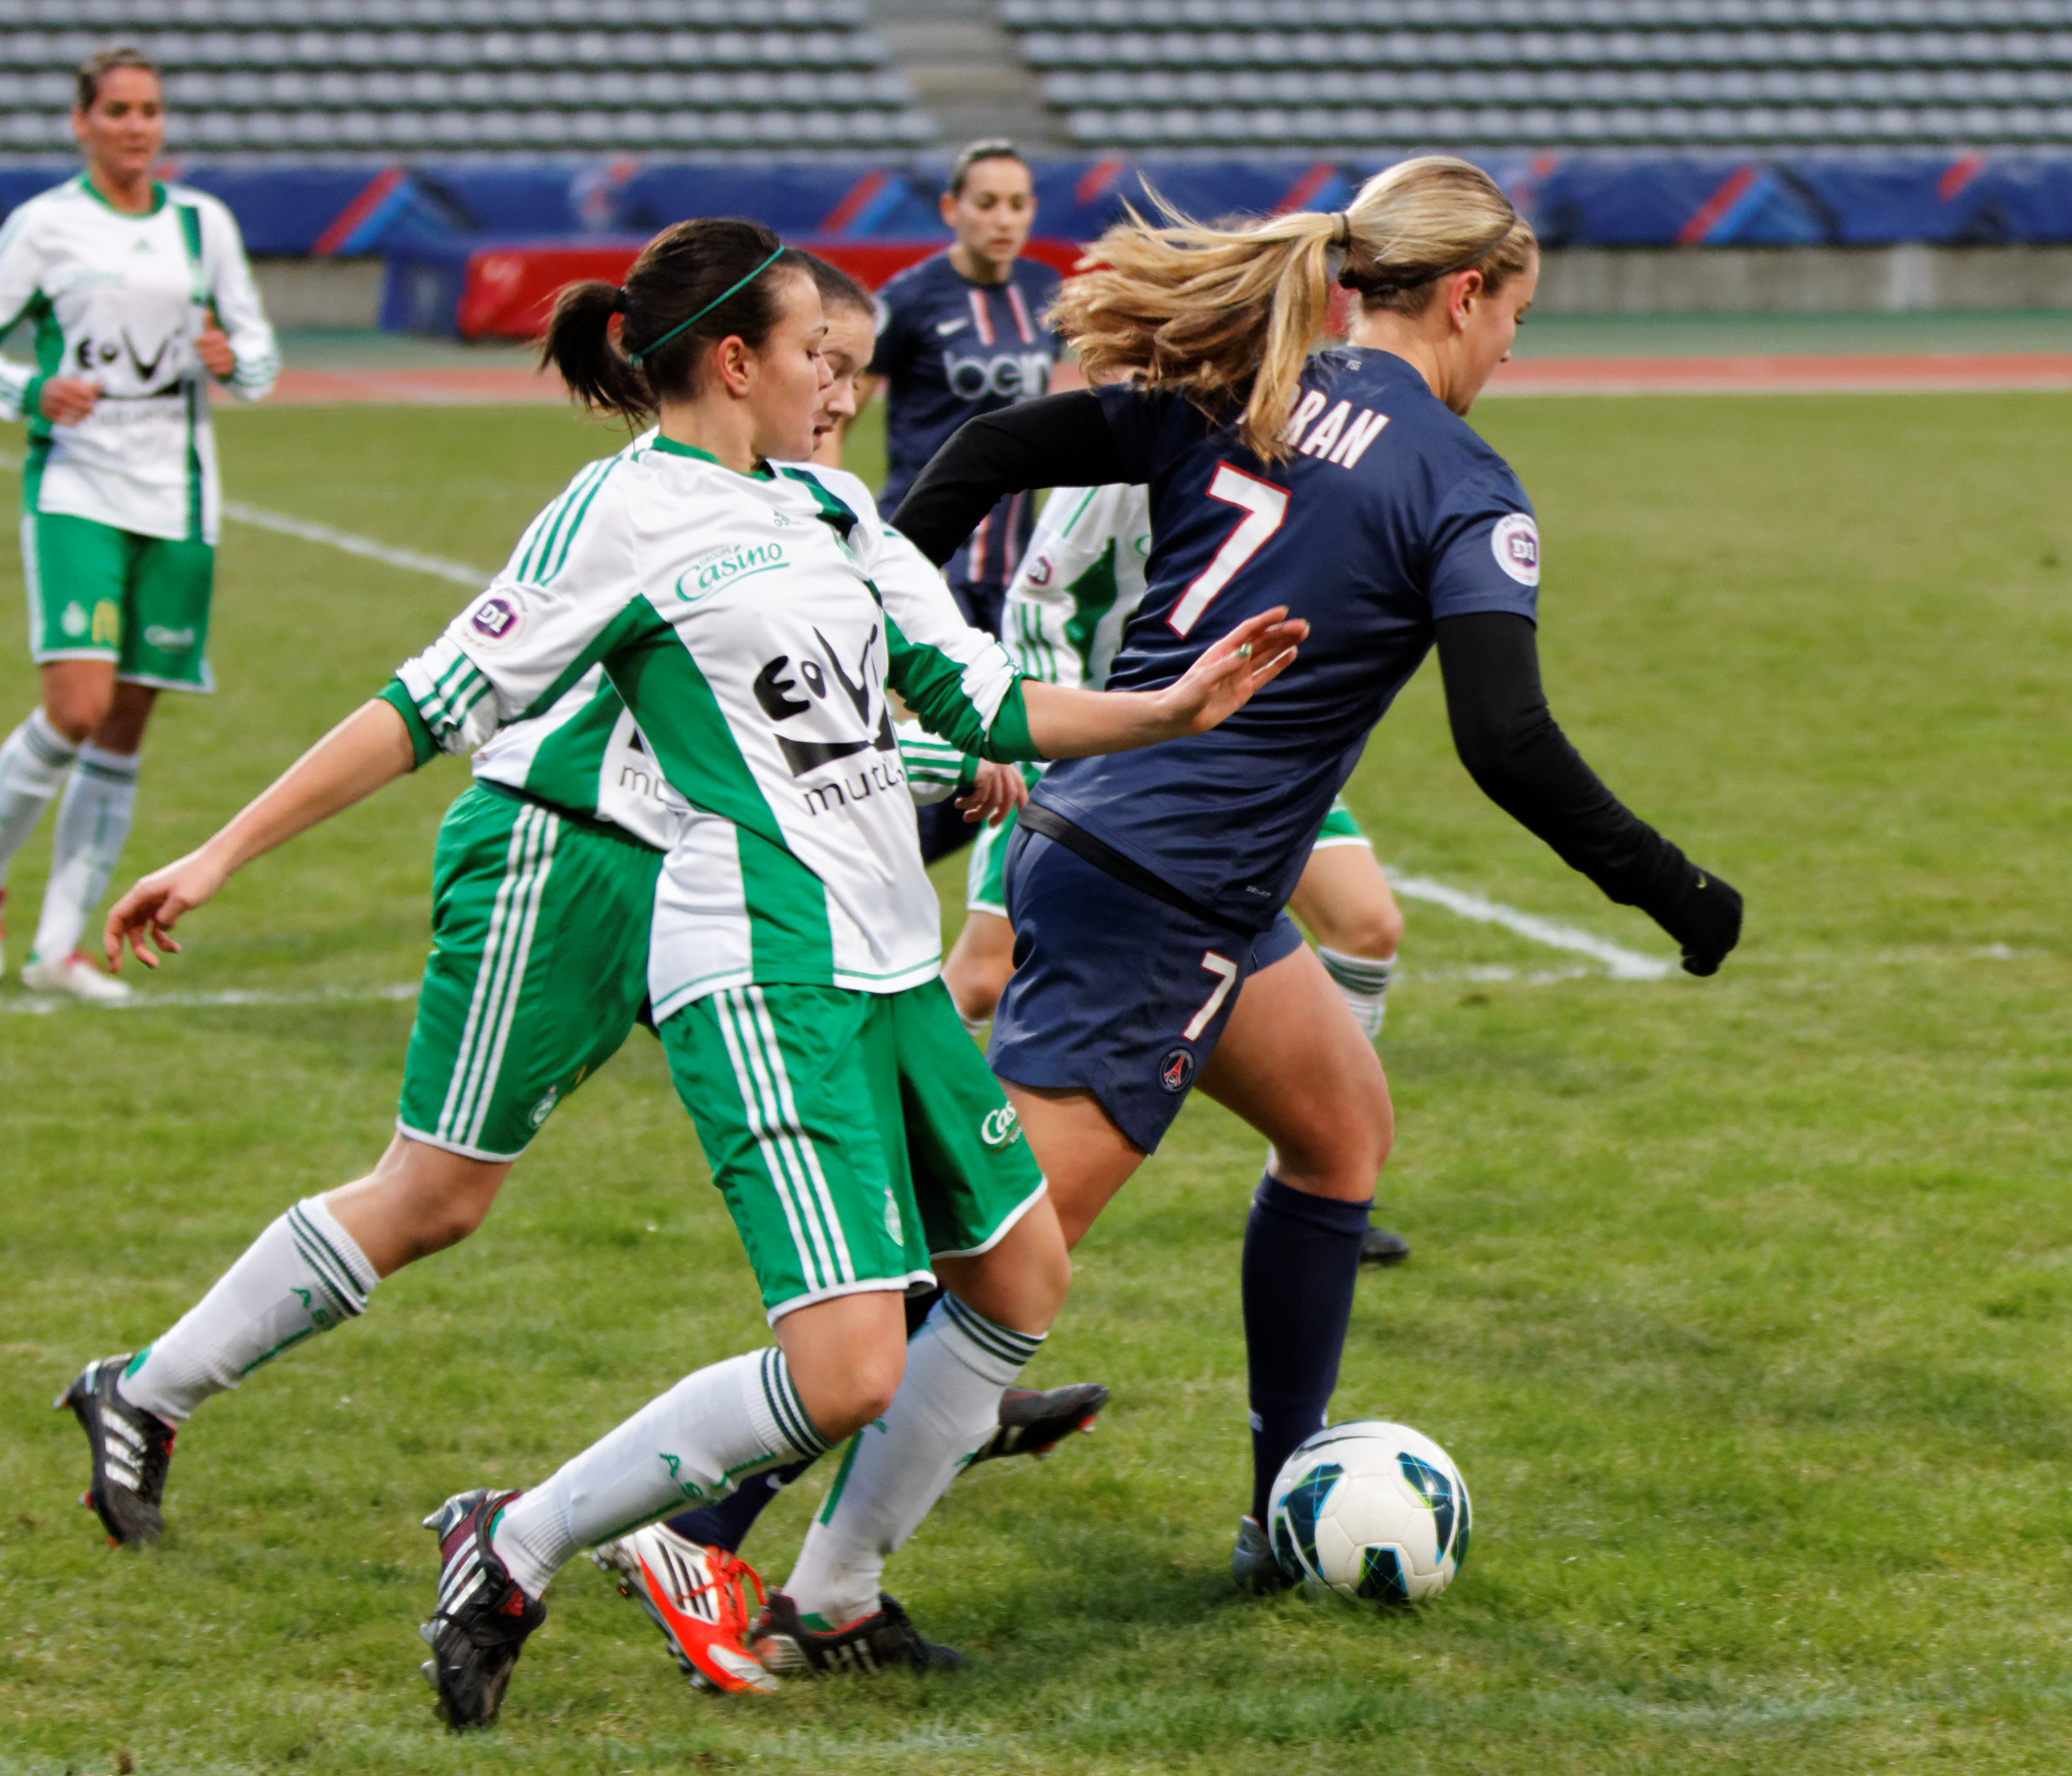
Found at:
(1370, 1510)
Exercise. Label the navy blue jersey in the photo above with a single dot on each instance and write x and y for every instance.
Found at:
(1390, 514)
(950, 350)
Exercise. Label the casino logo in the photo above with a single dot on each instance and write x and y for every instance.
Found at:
(1515, 543)
(545, 1108)
(999, 1129)
(1176, 1069)
(170, 641)
(1038, 572)
(497, 619)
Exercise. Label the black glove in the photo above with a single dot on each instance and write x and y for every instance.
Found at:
(1704, 914)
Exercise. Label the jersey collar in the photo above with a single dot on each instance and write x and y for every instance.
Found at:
(157, 200)
(669, 446)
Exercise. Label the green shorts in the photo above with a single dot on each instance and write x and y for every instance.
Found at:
(98, 593)
(538, 969)
(1340, 828)
(852, 1134)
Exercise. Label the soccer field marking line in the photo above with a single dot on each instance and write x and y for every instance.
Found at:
(1619, 962)
(281, 524)
(39, 1005)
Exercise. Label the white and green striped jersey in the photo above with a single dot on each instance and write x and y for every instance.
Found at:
(753, 624)
(1080, 581)
(587, 754)
(119, 300)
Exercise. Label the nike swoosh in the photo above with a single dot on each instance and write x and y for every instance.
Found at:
(946, 328)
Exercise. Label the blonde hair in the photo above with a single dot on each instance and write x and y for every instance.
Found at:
(1221, 314)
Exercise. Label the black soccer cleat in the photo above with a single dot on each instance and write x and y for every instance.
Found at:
(1254, 1565)
(132, 1449)
(481, 1618)
(885, 1640)
(1032, 1423)
(1378, 1246)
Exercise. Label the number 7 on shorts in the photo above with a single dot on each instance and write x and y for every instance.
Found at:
(1226, 973)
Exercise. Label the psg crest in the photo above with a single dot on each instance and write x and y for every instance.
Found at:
(1176, 1069)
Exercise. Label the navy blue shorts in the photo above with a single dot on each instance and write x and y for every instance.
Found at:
(1114, 993)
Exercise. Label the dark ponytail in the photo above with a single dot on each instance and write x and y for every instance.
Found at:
(692, 269)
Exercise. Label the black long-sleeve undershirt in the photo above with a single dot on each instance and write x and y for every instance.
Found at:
(1505, 734)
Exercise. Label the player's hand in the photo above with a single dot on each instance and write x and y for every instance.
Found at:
(1221, 682)
(65, 401)
(154, 905)
(213, 347)
(1705, 920)
(998, 792)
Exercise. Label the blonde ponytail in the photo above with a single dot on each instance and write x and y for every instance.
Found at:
(1219, 315)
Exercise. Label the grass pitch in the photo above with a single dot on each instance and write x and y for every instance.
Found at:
(1743, 1305)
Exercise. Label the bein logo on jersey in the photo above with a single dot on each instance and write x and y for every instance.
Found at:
(1003, 376)
(1176, 1069)
(1001, 1127)
(1514, 541)
(497, 620)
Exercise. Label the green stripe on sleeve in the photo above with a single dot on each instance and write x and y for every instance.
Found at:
(423, 747)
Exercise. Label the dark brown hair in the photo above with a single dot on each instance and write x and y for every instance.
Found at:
(96, 67)
(993, 148)
(684, 269)
(837, 288)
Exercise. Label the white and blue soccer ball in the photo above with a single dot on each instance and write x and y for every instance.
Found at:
(1370, 1510)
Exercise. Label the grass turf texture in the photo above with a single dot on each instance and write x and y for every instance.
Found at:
(1743, 1305)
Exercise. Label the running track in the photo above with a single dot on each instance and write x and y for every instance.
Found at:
(1886, 373)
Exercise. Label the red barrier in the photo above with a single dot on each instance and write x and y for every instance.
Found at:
(508, 289)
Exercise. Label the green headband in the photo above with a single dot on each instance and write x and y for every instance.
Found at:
(653, 346)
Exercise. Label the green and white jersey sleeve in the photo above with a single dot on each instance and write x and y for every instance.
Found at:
(1081, 580)
(737, 616)
(586, 754)
(120, 300)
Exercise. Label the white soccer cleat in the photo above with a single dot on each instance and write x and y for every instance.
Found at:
(78, 976)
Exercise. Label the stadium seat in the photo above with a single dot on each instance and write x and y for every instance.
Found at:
(267, 79)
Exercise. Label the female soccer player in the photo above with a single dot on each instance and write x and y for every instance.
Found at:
(1347, 485)
(141, 296)
(754, 620)
(966, 332)
(1078, 586)
(568, 820)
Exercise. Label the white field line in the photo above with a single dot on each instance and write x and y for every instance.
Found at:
(37, 1005)
(459, 572)
(1620, 963)
(279, 522)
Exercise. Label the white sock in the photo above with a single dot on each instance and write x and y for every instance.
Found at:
(33, 763)
(93, 822)
(974, 1027)
(1364, 983)
(693, 1446)
(948, 1404)
(302, 1275)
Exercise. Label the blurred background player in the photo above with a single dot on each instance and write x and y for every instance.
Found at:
(1072, 597)
(963, 333)
(140, 296)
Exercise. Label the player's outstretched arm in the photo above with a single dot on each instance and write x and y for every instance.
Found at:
(1514, 750)
(1066, 723)
(370, 747)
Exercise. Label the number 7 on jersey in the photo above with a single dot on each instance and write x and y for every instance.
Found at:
(1264, 505)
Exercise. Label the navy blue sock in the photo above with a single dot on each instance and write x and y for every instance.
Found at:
(727, 1523)
(1301, 1259)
